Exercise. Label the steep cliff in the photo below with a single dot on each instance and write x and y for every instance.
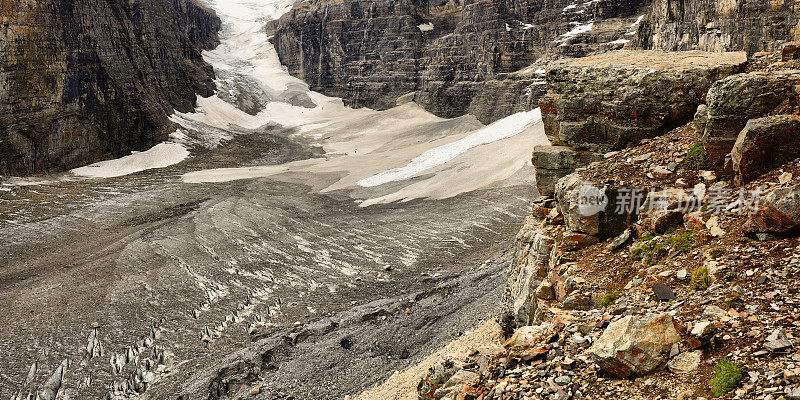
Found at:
(720, 25)
(457, 56)
(83, 80)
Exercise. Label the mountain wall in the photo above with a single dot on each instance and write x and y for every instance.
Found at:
(487, 57)
(720, 25)
(457, 57)
(84, 80)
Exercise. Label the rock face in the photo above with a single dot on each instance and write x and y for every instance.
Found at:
(765, 144)
(528, 270)
(85, 80)
(739, 98)
(606, 101)
(719, 25)
(555, 162)
(633, 347)
(458, 57)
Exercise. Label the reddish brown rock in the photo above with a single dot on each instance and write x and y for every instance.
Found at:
(765, 144)
(790, 51)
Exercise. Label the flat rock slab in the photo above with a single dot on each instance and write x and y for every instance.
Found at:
(603, 102)
(662, 292)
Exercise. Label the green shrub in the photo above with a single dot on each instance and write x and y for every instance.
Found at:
(696, 156)
(726, 377)
(607, 299)
(683, 241)
(700, 279)
(652, 251)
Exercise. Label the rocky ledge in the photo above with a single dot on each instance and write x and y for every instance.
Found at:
(604, 102)
(87, 80)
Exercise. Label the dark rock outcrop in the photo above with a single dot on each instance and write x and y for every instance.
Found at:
(606, 101)
(86, 80)
(719, 25)
(458, 57)
(765, 144)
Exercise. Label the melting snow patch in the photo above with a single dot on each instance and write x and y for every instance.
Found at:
(506, 127)
(426, 27)
(632, 28)
(160, 156)
(620, 41)
(575, 32)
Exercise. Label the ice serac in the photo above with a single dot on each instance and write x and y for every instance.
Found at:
(472, 57)
(719, 25)
(606, 101)
(86, 80)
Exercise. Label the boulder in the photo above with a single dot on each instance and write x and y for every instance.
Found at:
(666, 208)
(765, 144)
(739, 98)
(606, 101)
(685, 363)
(555, 162)
(461, 383)
(436, 377)
(592, 209)
(777, 341)
(526, 336)
(778, 213)
(634, 346)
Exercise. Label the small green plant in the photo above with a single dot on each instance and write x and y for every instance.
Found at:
(700, 279)
(683, 241)
(696, 156)
(607, 299)
(652, 251)
(726, 377)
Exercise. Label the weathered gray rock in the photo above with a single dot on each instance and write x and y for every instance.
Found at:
(685, 363)
(778, 213)
(620, 240)
(592, 209)
(765, 144)
(739, 98)
(665, 209)
(606, 101)
(573, 241)
(436, 377)
(555, 162)
(777, 341)
(86, 80)
(633, 347)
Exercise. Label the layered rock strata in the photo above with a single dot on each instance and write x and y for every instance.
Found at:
(86, 80)
(457, 57)
(604, 102)
(719, 25)
(555, 162)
